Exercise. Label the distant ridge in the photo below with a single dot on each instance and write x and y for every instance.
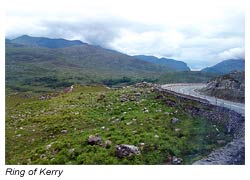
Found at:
(45, 42)
(173, 64)
(226, 66)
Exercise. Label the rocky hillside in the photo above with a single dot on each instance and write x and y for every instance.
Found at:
(230, 87)
(99, 125)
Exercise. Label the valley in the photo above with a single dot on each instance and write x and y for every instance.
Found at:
(70, 102)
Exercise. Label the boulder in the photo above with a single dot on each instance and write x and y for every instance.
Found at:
(125, 150)
(94, 139)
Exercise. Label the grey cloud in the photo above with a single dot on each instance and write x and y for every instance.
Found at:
(102, 31)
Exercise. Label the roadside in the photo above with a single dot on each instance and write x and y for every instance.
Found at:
(191, 89)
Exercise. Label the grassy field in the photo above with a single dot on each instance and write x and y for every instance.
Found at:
(56, 130)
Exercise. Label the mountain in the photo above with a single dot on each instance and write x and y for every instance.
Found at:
(40, 68)
(45, 42)
(226, 66)
(172, 64)
(42, 65)
(229, 86)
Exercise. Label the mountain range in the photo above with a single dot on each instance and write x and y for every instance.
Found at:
(170, 63)
(42, 63)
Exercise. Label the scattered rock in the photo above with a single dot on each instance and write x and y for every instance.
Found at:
(125, 150)
(141, 146)
(64, 131)
(176, 160)
(170, 103)
(101, 97)
(68, 89)
(174, 120)
(94, 139)
(107, 144)
(137, 94)
(177, 129)
(71, 150)
(145, 110)
(156, 136)
(43, 156)
(124, 99)
(221, 142)
(48, 146)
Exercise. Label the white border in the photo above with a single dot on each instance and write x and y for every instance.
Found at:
(132, 172)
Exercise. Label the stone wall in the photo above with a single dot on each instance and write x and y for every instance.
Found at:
(233, 122)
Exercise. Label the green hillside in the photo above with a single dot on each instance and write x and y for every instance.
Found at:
(42, 69)
(56, 130)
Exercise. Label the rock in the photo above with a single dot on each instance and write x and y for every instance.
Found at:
(141, 146)
(125, 150)
(177, 129)
(166, 113)
(48, 146)
(101, 97)
(124, 98)
(174, 120)
(145, 110)
(221, 142)
(64, 131)
(137, 94)
(43, 156)
(94, 139)
(107, 144)
(128, 123)
(71, 150)
(176, 160)
(42, 97)
(68, 89)
(170, 103)
(156, 136)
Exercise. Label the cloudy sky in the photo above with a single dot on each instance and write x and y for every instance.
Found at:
(198, 32)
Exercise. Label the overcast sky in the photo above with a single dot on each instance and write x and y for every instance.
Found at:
(198, 32)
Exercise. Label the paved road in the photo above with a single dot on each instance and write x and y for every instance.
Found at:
(191, 89)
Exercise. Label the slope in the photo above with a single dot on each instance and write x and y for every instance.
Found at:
(226, 66)
(172, 64)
